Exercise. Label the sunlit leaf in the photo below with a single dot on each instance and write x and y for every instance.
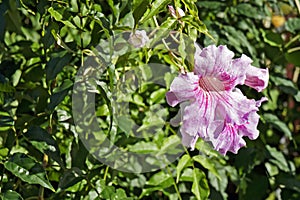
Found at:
(155, 8)
(200, 186)
(162, 179)
(206, 163)
(28, 170)
(182, 163)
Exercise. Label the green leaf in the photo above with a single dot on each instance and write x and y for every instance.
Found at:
(289, 181)
(200, 186)
(125, 123)
(182, 163)
(297, 96)
(59, 41)
(143, 147)
(139, 9)
(272, 102)
(120, 194)
(220, 184)
(293, 57)
(28, 170)
(206, 163)
(58, 17)
(3, 152)
(278, 159)
(285, 85)
(157, 95)
(44, 142)
(273, 39)
(272, 169)
(195, 22)
(78, 154)
(292, 24)
(13, 18)
(248, 10)
(6, 88)
(163, 31)
(6, 121)
(187, 175)
(56, 64)
(57, 98)
(9, 195)
(70, 178)
(213, 5)
(66, 84)
(155, 8)
(147, 191)
(59, 94)
(161, 179)
(127, 21)
(169, 144)
(279, 125)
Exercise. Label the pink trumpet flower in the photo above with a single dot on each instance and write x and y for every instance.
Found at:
(211, 107)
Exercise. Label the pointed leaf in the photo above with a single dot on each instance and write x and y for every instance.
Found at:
(28, 170)
(206, 163)
(162, 179)
(70, 178)
(44, 142)
(200, 186)
(156, 7)
(279, 125)
(9, 195)
(183, 162)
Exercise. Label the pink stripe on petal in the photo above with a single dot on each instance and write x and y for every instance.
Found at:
(211, 106)
(182, 88)
(257, 78)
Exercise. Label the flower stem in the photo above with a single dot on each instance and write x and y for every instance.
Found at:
(174, 183)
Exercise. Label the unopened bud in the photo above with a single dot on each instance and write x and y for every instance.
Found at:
(176, 14)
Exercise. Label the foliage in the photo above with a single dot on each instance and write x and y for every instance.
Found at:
(43, 46)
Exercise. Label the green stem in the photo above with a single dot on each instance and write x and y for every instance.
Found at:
(174, 183)
(293, 49)
(294, 39)
(41, 193)
(105, 173)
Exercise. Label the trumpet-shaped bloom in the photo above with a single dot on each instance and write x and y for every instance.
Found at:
(211, 107)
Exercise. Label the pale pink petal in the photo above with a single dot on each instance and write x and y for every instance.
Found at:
(228, 140)
(182, 88)
(175, 121)
(257, 78)
(211, 106)
(235, 74)
(189, 141)
(212, 60)
(172, 11)
(249, 129)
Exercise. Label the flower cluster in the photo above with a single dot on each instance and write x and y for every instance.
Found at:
(211, 107)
